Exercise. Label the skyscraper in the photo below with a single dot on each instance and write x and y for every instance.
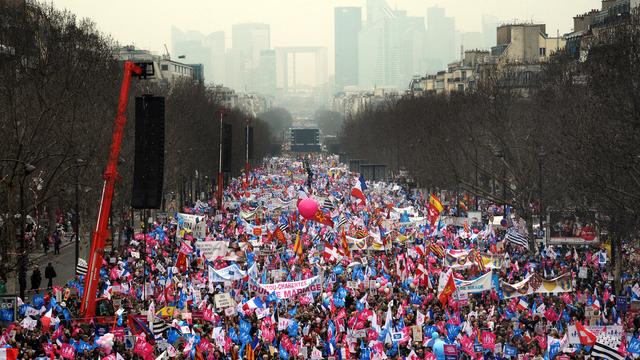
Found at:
(391, 46)
(440, 39)
(247, 42)
(217, 69)
(347, 24)
(413, 36)
(197, 48)
(267, 72)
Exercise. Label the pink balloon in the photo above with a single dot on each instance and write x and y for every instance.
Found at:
(308, 208)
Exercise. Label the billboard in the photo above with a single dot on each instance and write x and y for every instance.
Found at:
(578, 227)
(305, 140)
(305, 136)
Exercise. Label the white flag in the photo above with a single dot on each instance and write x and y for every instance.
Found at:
(419, 319)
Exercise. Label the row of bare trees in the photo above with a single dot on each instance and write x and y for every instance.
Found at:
(59, 83)
(570, 142)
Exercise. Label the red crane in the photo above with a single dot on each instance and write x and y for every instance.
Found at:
(101, 233)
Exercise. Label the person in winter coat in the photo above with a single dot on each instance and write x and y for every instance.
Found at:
(36, 278)
(50, 273)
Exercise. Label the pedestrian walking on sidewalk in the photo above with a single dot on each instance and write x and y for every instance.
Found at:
(45, 244)
(56, 245)
(50, 273)
(36, 278)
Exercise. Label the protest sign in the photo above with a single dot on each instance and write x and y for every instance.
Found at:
(450, 352)
(212, 249)
(417, 333)
(582, 273)
(200, 230)
(8, 308)
(223, 301)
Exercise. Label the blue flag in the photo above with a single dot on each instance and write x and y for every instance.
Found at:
(634, 346)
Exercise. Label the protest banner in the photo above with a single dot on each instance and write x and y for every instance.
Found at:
(537, 284)
(285, 290)
(462, 259)
(479, 284)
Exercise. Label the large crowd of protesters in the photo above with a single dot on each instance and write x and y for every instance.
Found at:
(376, 271)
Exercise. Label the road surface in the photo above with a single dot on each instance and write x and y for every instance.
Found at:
(64, 264)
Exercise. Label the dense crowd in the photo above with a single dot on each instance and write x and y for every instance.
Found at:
(373, 271)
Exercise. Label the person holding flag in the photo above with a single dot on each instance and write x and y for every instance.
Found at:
(434, 209)
(358, 189)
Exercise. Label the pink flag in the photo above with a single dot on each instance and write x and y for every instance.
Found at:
(207, 314)
(551, 315)
(429, 356)
(185, 249)
(205, 345)
(67, 351)
(142, 348)
(467, 345)
(488, 340)
(48, 348)
(542, 341)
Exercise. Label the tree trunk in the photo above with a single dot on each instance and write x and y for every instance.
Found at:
(616, 259)
(619, 231)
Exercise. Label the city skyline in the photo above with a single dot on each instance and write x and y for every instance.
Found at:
(312, 20)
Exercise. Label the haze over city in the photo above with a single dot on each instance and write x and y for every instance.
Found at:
(298, 22)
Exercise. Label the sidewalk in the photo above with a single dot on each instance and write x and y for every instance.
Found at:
(39, 254)
(36, 257)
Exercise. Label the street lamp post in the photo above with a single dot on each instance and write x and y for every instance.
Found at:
(476, 178)
(541, 155)
(22, 260)
(146, 224)
(500, 155)
(220, 177)
(76, 224)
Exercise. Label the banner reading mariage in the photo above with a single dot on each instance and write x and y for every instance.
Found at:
(285, 290)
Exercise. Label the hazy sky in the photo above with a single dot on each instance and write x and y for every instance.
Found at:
(146, 24)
